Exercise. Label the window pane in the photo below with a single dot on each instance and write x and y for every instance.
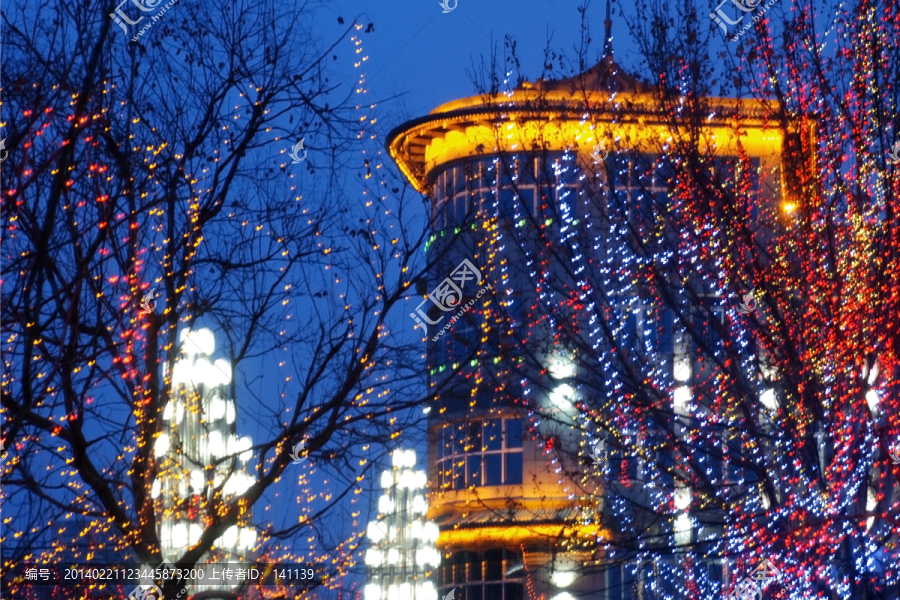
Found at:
(513, 468)
(649, 580)
(439, 187)
(618, 204)
(474, 592)
(507, 170)
(632, 459)
(443, 345)
(526, 197)
(474, 470)
(514, 433)
(650, 330)
(475, 568)
(459, 475)
(488, 174)
(667, 329)
(508, 203)
(460, 216)
(629, 325)
(448, 182)
(463, 342)
(460, 178)
(513, 591)
(458, 438)
(643, 206)
(614, 582)
(492, 474)
(492, 438)
(459, 567)
(666, 464)
(493, 566)
(662, 203)
(475, 436)
(493, 590)
(714, 459)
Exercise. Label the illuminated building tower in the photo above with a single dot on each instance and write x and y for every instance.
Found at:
(201, 431)
(512, 522)
(401, 556)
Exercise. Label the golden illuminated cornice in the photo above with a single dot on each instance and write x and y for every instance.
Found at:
(492, 499)
(561, 119)
(515, 534)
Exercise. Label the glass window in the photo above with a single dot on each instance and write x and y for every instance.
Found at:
(666, 331)
(499, 582)
(475, 567)
(644, 203)
(716, 464)
(526, 197)
(492, 437)
(480, 452)
(458, 440)
(508, 203)
(614, 582)
(514, 591)
(474, 470)
(474, 436)
(439, 188)
(459, 480)
(462, 174)
(493, 565)
(513, 433)
(707, 331)
(447, 180)
(513, 468)
(492, 469)
(493, 590)
(459, 215)
(459, 567)
(666, 464)
(629, 325)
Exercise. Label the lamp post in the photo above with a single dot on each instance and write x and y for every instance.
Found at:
(401, 554)
(198, 430)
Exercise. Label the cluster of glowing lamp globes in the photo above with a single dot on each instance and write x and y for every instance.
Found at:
(401, 532)
(196, 370)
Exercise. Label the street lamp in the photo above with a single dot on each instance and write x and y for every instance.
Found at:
(401, 552)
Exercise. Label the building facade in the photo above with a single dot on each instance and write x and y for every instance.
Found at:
(526, 495)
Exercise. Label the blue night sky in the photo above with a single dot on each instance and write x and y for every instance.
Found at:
(418, 51)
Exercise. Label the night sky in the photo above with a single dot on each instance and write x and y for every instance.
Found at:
(418, 51)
